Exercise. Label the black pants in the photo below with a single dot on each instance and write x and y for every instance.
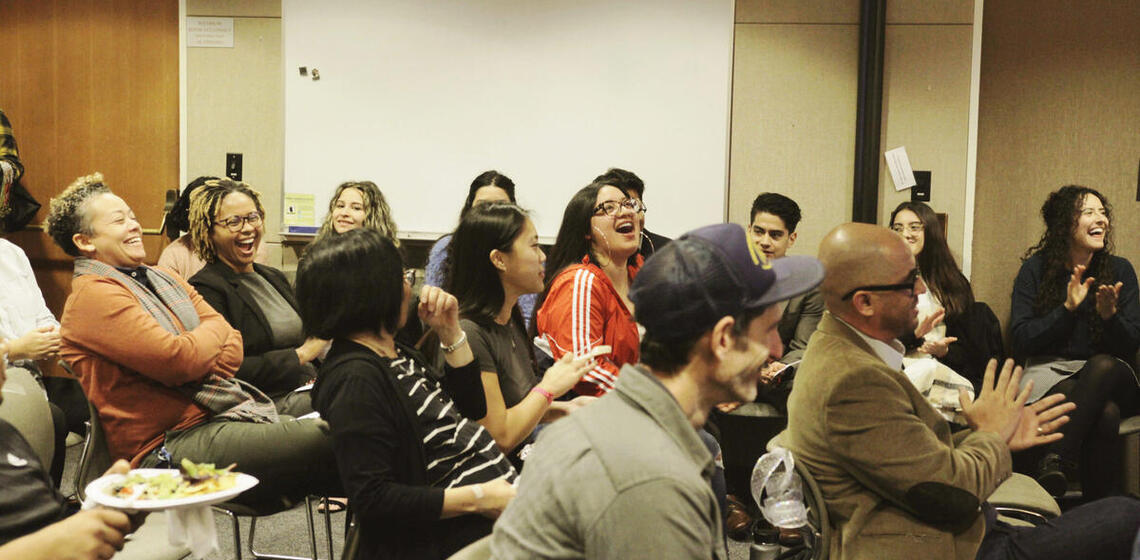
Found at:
(1104, 391)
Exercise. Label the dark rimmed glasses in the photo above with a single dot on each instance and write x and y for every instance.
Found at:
(235, 223)
(612, 207)
(906, 285)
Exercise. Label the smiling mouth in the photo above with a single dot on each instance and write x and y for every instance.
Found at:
(624, 227)
(133, 241)
(245, 244)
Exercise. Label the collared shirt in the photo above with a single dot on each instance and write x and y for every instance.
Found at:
(890, 353)
(625, 477)
(22, 306)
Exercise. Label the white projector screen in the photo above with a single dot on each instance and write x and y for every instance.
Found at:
(420, 96)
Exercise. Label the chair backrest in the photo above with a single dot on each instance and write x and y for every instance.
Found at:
(96, 457)
(818, 519)
(26, 407)
(478, 550)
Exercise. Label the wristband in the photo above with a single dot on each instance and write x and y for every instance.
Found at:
(546, 394)
(478, 489)
(454, 346)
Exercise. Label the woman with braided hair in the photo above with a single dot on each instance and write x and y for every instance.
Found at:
(1075, 322)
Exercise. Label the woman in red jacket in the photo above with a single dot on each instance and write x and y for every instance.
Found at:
(591, 266)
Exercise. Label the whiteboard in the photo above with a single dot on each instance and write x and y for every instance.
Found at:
(420, 96)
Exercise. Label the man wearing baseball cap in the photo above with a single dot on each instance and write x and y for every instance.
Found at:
(627, 476)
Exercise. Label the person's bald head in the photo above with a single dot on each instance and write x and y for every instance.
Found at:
(857, 255)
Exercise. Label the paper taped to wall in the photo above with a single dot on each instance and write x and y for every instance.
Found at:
(899, 165)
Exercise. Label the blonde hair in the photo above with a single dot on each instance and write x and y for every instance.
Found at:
(377, 215)
(67, 214)
(204, 204)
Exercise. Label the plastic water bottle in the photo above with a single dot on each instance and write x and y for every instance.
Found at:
(765, 543)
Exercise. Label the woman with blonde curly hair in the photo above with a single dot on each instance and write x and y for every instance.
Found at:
(358, 204)
(226, 227)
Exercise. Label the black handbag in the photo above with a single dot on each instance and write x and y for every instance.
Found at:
(19, 209)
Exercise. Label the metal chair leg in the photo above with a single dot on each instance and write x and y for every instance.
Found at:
(312, 540)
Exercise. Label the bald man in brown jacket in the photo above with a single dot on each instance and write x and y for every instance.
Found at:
(896, 481)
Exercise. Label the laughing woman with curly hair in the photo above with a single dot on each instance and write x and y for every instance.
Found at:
(1075, 321)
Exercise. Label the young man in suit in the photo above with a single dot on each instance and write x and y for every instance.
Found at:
(897, 482)
(773, 229)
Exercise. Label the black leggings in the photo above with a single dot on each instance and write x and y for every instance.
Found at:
(1104, 391)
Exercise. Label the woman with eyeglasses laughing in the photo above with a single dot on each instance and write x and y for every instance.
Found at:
(591, 266)
(226, 226)
(958, 331)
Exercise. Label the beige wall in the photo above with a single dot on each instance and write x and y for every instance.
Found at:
(926, 107)
(795, 82)
(235, 103)
(1059, 104)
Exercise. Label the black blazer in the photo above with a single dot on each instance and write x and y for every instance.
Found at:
(275, 371)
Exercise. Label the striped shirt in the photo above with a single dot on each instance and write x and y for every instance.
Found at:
(458, 450)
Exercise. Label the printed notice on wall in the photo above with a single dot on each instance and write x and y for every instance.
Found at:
(900, 168)
(216, 32)
(299, 209)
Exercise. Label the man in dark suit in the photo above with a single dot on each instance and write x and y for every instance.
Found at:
(773, 230)
(898, 484)
(634, 187)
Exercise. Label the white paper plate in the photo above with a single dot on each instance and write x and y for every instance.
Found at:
(97, 491)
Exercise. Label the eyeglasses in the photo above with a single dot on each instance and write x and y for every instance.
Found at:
(235, 223)
(906, 285)
(410, 276)
(611, 207)
(913, 227)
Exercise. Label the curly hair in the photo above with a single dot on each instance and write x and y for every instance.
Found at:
(377, 215)
(204, 204)
(67, 214)
(939, 270)
(1060, 212)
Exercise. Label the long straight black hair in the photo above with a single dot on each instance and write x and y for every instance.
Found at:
(469, 274)
(939, 269)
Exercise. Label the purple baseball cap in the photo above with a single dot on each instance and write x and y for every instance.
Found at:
(713, 272)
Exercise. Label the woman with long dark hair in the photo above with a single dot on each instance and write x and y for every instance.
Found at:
(493, 260)
(969, 334)
(423, 479)
(1075, 321)
(591, 266)
(488, 187)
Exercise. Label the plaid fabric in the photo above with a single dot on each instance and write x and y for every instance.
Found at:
(10, 156)
(227, 398)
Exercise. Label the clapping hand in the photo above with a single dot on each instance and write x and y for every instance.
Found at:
(1106, 297)
(928, 324)
(1078, 290)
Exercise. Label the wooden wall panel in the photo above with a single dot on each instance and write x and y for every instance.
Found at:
(91, 85)
(1058, 105)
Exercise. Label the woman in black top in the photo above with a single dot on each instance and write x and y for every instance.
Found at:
(970, 334)
(423, 479)
(494, 258)
(226, 226)
(1075, 323)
